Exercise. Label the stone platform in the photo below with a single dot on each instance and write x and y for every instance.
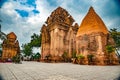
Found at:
(57, 71)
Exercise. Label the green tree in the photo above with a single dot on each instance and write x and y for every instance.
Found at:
(37, 56)
(27, 49)
(35, 40)
(116, 36)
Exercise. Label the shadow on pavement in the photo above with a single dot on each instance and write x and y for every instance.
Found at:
(1, 78)
(118, 78)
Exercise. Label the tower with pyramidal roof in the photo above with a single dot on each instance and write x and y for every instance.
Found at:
(92, 38)
(10, 47)
(61, 37)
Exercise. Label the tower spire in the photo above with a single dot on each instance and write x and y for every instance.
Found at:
(91, 9)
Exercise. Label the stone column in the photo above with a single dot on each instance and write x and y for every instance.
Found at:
(100, 50)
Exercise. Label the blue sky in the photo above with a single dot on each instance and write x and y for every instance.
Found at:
(25, 17)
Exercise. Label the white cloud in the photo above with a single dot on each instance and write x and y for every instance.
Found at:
(80, 9)
(25, 27)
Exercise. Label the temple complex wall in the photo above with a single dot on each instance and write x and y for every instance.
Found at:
(60, 35)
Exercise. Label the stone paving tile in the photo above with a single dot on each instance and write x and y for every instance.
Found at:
(57, 71)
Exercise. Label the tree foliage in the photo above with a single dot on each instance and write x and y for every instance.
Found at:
(36, 56)
(35, 42)
(27, 49)
(80, 56)
(110, 49)
(16, 59)
(116, 36)
(90, 58)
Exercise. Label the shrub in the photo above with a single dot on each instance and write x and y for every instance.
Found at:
(80, 56)
(65, 57)
(90, 58)
(48, 58)
(16, 59)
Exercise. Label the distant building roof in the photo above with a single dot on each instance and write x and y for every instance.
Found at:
(12, 35)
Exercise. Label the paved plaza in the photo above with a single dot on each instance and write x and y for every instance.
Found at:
(57, 71)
